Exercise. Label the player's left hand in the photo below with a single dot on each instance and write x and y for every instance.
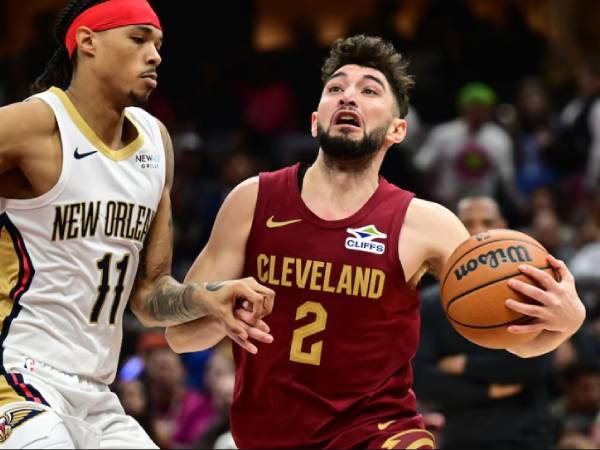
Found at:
(559, 308)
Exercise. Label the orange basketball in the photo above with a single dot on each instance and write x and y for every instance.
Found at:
(474, 285)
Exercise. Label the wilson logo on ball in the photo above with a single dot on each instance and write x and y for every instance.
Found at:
(493, 258)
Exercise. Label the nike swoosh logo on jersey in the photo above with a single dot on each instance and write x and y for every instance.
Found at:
(78, 155)
(382, 426)
(275, 224)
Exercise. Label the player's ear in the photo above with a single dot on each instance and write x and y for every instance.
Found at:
(397, 130)
(313, 124)
(86, 40)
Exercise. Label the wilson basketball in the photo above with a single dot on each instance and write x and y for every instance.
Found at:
(474, 286)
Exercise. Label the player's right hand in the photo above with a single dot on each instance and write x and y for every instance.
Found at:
(259, 331)
(221, 299)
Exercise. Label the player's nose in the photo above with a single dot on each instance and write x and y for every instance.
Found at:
(153, 57)
(348, 97)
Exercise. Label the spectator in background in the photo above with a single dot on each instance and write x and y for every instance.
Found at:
(577, 409)
(490, 398)
(576, 151)
(588, 222)
(181, 414)
(533, 131)
(556, 237)
(134, 399)
(219, 380)
(469, 155)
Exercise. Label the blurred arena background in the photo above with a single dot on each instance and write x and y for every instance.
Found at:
(236, 88)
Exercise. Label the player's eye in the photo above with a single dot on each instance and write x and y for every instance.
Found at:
(369, 91)
(334, 88)
(137, 39)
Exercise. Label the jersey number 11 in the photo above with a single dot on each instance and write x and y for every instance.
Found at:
(103, 265)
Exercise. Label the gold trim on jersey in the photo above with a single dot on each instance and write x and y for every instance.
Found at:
(115, 155)
(9, 270)
(8, 394)
(9, 277)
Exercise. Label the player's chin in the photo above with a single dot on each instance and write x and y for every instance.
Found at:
(139, 97)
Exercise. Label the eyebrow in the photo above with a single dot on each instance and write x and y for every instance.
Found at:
(368, 77)
(376, 80)
(146, 29)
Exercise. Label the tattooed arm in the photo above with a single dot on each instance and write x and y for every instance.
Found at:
(159, 300)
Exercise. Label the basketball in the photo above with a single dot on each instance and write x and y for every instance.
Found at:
(474, 286)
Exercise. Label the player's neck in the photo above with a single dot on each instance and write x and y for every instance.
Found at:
(100, 112)
(335, 194)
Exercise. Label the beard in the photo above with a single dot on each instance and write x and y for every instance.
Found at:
(139, 100)
(344, 150)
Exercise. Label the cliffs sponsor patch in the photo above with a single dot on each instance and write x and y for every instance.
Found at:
(14, 418)
(364, 240)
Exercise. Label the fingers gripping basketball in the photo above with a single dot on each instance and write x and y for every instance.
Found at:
(474, 286)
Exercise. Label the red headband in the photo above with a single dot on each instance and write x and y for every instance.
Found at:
(112, 14)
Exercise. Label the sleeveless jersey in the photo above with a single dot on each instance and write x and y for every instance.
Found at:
(68, 258)
(345, 323)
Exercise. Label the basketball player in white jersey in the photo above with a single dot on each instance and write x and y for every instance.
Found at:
(84, 224)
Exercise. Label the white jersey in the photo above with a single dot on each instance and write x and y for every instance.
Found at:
(68, 258)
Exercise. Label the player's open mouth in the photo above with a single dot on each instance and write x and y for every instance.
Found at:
(347, 118)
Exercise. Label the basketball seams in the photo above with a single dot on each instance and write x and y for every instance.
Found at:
(489, 283)
(486, 243)
(490, 327)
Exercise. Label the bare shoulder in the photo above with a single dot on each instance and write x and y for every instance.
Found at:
(223, 255)
(237, 210)
(431, 231)
(423, 213)
(25, 120)
(242, 198)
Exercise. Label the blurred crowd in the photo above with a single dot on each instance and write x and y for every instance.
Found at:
(486, 120)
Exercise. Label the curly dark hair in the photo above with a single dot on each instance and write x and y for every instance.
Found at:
(59, 69)
(374, 52)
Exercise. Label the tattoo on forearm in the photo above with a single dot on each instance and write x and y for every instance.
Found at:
(170, 301)
(213, 286)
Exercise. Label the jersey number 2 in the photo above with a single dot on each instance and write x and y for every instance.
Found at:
(103, 265)
(314, 355)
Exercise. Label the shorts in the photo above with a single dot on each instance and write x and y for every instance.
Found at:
(392, 434)
(42, 407)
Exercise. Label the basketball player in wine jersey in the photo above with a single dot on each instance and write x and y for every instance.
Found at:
(344, 251)
(84, 201)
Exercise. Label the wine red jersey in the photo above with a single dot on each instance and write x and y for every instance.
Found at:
(345, 323)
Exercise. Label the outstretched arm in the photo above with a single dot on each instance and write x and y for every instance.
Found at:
(159, 300)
